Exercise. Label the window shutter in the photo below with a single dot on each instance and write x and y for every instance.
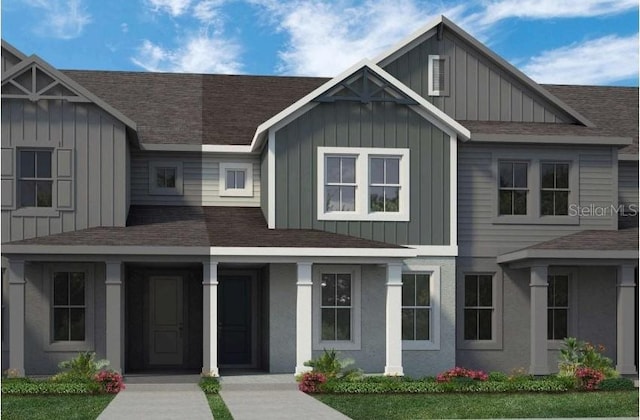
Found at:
(8, 179)
(64, 162)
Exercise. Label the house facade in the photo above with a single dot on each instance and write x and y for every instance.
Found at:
(431, 207)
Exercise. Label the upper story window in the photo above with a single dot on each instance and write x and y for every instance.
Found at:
(165, 178)
(35, 181)
(438, 73)
(513, 189)
(554, 191)
(416, 307)
(236, 179)
(363, 184)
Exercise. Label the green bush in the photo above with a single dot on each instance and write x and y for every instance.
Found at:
(498, 377)
(332, 366)
(210, 385)
(25, 386)
(616, 384)
(83, 366)
(577, 354)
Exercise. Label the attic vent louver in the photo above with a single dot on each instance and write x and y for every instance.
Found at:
(438, 75)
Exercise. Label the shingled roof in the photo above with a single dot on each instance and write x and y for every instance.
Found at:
(170, 226)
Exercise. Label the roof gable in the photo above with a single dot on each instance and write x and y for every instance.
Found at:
(484, 86)
(34, 79)
(10, 56)
(423, 107)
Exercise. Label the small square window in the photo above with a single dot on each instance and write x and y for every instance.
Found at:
(236, 179)
(165, 178)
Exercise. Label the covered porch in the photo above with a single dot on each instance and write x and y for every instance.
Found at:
(582, 285)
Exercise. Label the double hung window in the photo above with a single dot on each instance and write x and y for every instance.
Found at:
(35, 181)
(416, 307)
(554, 191)
(478, 307)
(512, 188)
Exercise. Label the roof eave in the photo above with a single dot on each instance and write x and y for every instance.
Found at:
(550, 139)
(555, 254)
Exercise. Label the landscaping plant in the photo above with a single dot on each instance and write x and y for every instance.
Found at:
(460, 372)
(331, 366)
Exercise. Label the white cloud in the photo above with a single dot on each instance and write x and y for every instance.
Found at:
(63, 19)
(326, 38)
(124, 27)
(173, 7)
(207, 11)
(496, 10)
(198, 54)
(598, 61)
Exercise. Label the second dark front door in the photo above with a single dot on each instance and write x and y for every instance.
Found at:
(234, 320)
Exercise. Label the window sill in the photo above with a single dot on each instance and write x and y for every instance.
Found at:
(370, 217)
(337, 345)
(36, 211)
(555, 344)
(541, 220)
(411, 345)
(65, 346)
(236, 193)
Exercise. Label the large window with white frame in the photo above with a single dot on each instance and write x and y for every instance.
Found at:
(236, 179)
(357, 183)
(337, 307)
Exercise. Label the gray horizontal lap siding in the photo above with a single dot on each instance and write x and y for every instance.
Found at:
(200, 175)
(479, 235)
(478, 89)
(373, 125)
(264, 176)
(99, 147)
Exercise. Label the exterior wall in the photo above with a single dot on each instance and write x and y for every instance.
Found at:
(38, 359)
(373, 125)
(628, 182)
(371, 357)
(480, 234)
(200, 174)
(596, 315)
(97, 143)
(478, 88)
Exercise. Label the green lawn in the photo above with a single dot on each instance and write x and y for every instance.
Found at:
(218, 407)
(45, 407)
(585, 404)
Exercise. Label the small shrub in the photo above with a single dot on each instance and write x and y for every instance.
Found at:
(331, 366)
(210, 385)
(460, 372)
(519, 375)
(311, 382)
(588, 378)
(576, 354)
(83, 366)
(498, 377)
(110, 381)
(616, 384)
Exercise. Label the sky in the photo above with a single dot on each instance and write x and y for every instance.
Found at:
(591, 42)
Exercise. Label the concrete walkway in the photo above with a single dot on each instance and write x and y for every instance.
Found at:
(159, 398)
(272, 397)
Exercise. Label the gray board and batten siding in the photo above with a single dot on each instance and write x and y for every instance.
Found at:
(88, 147)
(200, 179)
(479, 90)
(593, 181)
(352, 124)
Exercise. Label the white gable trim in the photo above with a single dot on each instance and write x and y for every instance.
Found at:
(69, 84)
(432, 114)
(430, 30)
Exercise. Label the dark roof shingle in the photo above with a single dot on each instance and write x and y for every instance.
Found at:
(601, 240)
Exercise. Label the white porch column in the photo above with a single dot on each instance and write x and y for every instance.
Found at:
(393, 365)
(625, 326)
(538, 286)
(16, 316)
(210, 318)
(113, 284)
(303, 317)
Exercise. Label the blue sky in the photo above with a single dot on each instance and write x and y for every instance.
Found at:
(553, 41)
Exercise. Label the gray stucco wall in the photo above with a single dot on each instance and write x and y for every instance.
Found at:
(372, 125)
(40, 360)
(478, 88)
(481, 234)
(371, 357)
(595, 313)
(200, 175)
(96, 144)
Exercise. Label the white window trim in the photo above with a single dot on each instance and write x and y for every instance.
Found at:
(572, 315)
(362, 155)
(356, 327)
(153, 167)
(88, 344)
(430, 88)
(496, 320)
(433, 271)
(247, 191)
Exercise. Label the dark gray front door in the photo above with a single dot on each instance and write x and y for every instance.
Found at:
(234, 320)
